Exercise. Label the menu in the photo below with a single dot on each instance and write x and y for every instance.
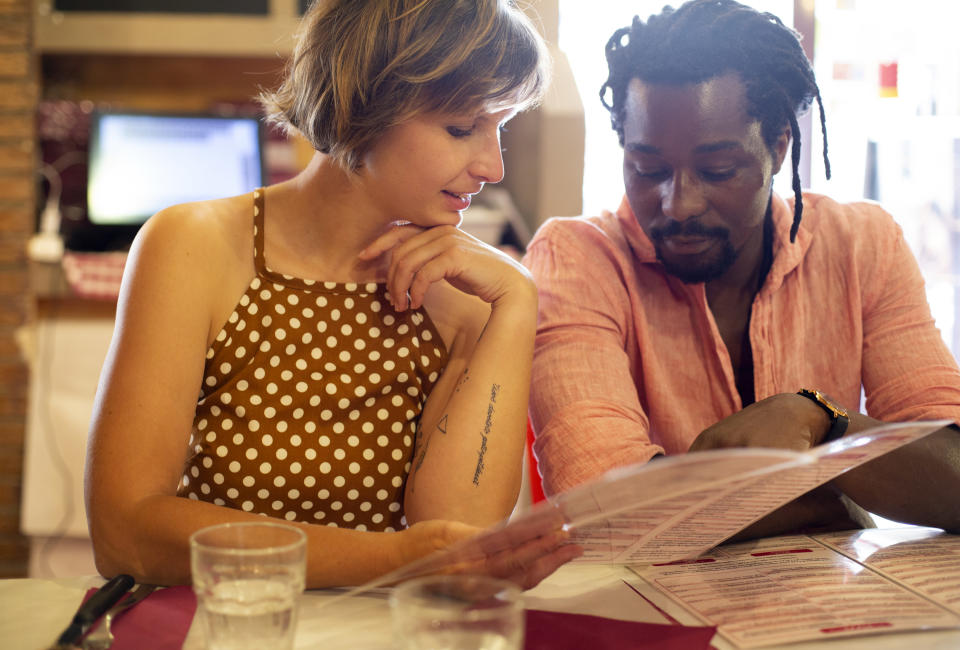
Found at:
(801, 588)
(672, 508)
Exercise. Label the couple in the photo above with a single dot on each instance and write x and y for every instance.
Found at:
(334, 352)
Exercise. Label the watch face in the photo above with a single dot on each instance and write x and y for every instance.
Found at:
(821, 399)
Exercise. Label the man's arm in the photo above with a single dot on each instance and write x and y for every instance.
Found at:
(583, 404)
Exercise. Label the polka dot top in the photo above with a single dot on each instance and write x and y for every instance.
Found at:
(310, 401)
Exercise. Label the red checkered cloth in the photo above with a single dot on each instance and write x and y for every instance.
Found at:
(94, 275)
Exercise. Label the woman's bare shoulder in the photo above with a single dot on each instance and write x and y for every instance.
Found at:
(196, 254)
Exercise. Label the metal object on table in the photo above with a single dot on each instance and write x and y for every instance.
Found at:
(101, 637)
(94, 608)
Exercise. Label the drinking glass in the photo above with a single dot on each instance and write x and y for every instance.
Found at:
(454, 612)
(248, 578)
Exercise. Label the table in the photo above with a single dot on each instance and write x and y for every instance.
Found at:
(33, 611)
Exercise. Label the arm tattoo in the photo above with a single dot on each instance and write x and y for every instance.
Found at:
(487, 425)
(464, 378)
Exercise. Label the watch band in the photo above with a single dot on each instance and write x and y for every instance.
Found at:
(839, 420)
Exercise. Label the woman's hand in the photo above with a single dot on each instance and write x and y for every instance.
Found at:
(525, 562)
(421, 256)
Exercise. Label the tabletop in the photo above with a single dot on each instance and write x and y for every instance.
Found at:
(33, 611)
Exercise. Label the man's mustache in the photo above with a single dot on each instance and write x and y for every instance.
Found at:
(689, 228)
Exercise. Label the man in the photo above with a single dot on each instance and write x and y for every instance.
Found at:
(691, 317)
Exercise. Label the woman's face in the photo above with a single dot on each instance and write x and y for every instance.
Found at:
(426, 169)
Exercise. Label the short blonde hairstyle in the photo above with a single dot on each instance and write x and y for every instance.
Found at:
(362, 66)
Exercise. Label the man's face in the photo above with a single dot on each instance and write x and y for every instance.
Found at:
(697, 172)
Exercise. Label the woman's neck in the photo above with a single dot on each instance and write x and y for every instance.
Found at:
(318, 222)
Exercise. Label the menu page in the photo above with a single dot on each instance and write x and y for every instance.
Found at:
(789, 589)
(925, 559)
(671, 508)
(695, 521)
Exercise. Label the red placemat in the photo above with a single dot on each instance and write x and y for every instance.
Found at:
(160, 622)
(562, 631)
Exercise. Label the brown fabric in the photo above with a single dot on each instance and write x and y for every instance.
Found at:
(310, 400)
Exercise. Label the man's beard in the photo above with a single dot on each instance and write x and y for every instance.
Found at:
(705, 267)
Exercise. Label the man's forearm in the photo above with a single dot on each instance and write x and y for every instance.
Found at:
(915, 484)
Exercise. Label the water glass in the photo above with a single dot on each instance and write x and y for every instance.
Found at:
(454, 612)
(248, 578)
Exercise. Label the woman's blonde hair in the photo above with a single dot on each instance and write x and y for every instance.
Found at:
(362, 66)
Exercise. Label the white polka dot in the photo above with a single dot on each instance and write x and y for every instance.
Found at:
(397, 454)
(295, 440)
(323, 494)
(338, 427)
(354, 414)
(265, 467)
(232, 493)
(396, 427)
(365, 506)
(325, 468)
(279, 481)
(266, 439)
(383, 468)
(367, 427)
(326, 414)
(295, 468)
(348, 516)
(339, 454)
(251, 454)
(248, 481)
(383, 441)
(324, 441)
(331, 388)
(394, 507)
(403, 352)
(263, 493)
(310, 454)
(354, 468)
(383, 414)
(282, 454)
(368, 481)
(374, 378)
(336, 505)
(247, 506)
(339, 481)
(377, 518)
(221, 451)
(396, 481)
(309, 481)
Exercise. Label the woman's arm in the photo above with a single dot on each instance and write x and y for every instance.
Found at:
(468, 451)
(177, 274)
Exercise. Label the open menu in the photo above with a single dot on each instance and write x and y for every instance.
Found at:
(801, 588)
(673, 508)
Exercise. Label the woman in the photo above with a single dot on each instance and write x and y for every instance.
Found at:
(362, 364)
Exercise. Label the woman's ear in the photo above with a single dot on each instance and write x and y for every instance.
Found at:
(780, 148)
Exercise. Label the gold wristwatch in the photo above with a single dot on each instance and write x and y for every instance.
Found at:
(839, 420)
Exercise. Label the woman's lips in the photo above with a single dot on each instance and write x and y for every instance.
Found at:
(457, 201)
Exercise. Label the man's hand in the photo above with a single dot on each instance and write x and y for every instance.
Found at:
(784, 421)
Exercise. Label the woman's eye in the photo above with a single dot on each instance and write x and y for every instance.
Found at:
(458, 132)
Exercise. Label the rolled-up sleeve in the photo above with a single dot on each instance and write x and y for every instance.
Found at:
(584, 403)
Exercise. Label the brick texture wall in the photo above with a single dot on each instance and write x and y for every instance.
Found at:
(18, 98)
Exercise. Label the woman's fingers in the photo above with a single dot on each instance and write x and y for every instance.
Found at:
(396, 234)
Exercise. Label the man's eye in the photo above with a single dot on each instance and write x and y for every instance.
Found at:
(457, 132)
(644, 172)
(718, 174)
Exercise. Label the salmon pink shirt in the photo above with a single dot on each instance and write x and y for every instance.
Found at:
(629, 361)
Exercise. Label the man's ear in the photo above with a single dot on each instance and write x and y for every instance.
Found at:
(780, 148)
